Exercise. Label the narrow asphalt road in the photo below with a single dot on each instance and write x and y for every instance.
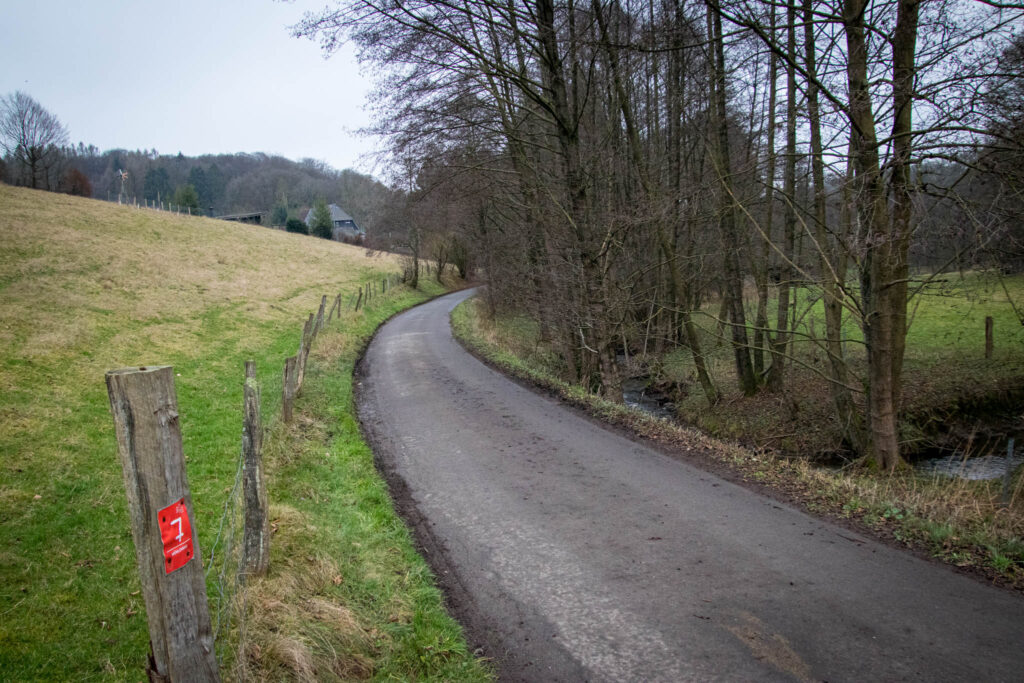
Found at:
(572, 553)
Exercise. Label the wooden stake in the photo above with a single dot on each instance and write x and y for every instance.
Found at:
(989, 324)
(256, 529)
(288, 389)
(320, 314)
(145, 410)
(303, 355)
(335, 305)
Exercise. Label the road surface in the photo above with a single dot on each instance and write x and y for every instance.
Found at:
(572, 553)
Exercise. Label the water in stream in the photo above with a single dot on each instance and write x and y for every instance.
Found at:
(636, 394)
(980, 467)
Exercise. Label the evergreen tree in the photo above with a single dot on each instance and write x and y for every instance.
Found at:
(157, 185)
(187, 198)
(279, 214)
(197, 179)
(321, 224)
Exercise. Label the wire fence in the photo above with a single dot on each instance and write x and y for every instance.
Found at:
(225, 573)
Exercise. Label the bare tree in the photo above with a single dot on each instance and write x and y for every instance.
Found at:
(33, 138)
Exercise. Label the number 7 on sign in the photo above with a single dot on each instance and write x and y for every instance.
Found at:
(181, 534)
(176, 535)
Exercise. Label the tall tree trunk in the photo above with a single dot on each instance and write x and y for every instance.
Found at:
(762, 271)
(732, 275)
(593, 286)
(883, 268)
(665, 244)
(904, 69)
(832, 262)
(786, 272)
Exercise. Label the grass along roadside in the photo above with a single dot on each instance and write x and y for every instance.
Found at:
(87, 286)
(957, 521)
(347, 596)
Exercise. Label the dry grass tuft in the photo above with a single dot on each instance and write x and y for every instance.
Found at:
(296, 628)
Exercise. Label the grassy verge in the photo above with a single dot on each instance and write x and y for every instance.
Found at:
(959, 522)
(347, 597)
(86, 286)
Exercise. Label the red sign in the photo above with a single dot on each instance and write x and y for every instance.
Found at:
(176, 533)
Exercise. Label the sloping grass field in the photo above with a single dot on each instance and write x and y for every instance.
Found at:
(87, 286)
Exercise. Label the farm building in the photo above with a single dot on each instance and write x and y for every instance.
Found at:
(345, 228)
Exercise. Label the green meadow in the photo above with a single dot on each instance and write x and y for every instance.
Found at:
(87, 286)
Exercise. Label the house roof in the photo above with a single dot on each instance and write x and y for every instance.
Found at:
(338, 215)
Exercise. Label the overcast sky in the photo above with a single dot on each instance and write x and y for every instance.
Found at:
(191, 76)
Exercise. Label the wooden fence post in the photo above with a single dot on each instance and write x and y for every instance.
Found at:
(303, 355)
(360, 299)
(320, 314)
(336, 304)
(288, 389)
(256, 529)
(145, 410)
(989, 323)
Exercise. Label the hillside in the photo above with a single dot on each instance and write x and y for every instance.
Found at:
(87, 286)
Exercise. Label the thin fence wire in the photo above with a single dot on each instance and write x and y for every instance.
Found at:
(224, 565)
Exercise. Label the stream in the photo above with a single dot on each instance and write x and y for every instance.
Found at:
(638, 394)
(990, 466)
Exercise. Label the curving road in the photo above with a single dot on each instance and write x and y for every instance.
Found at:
(572, 553)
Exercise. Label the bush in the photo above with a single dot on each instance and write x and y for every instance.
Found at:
(295, 225)
(76, 183)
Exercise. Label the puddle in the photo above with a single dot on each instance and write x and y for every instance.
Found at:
(637, 394)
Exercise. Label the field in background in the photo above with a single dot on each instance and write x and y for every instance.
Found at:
(947, 379)
(86, 286)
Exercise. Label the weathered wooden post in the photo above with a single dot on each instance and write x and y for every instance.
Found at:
(256, 525)
(336, 304)
(320, 314)
(145, 410)
(989, 324)
(303, 355)
(360, 299)
(288, 389)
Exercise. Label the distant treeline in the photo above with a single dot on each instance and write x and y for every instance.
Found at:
(235, 183)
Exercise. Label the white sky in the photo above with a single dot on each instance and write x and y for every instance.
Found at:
(190, 76)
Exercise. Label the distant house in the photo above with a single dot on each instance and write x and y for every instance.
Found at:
(255, 217)
(345, 228)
